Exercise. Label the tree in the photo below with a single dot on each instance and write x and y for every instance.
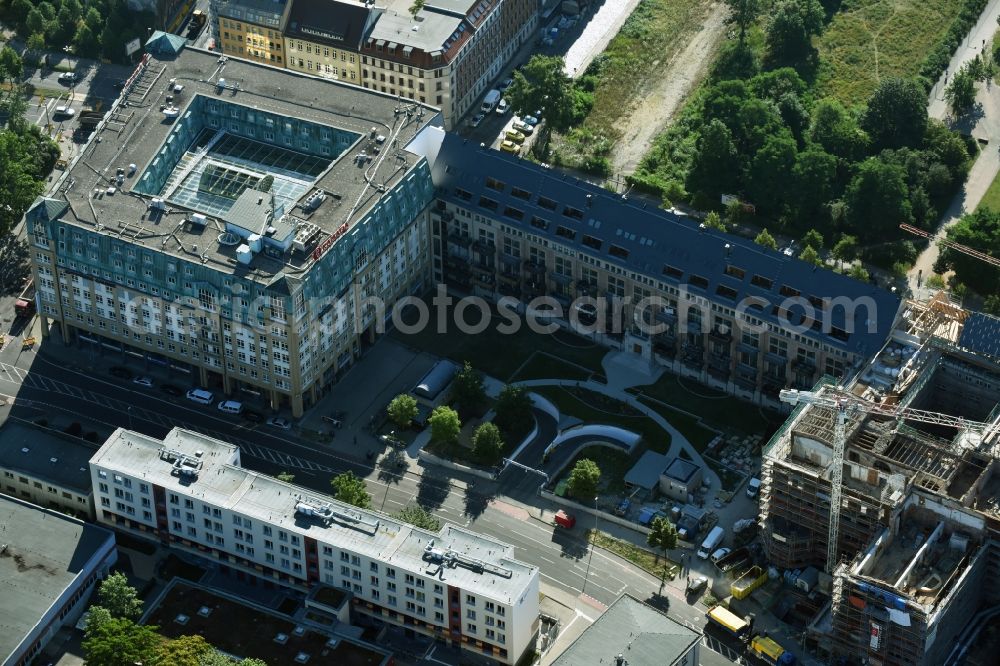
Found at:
(859, 272)
(766, 239)
(402, 410)
(813, 239)
(119, 598)
(216, 658)
(416, 7)
(769, 181)
(183, 651)
(350, 489)
(715, 167)
(35, 42)
(811, 256)
(418, 516)
(846, 249)
(961, 92)
(487, 443)
(714, 221)
(837, 131)
(119, 642)
(512, 409)
(583, 479)
(542, 85)
(877, 199)
(445, 424)
(897, 114)
(792, 26)
(11, 65)
(813, 179)
(35, 22)
(743, 14)
(467, 388)
(662, 535)
(287, 477)
(992, 305)
(979, 230)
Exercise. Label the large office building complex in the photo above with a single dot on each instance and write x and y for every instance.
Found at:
(189, 491)
(919, 525)
(224, 224)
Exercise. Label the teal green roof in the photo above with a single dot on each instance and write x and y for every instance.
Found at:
(165, 43)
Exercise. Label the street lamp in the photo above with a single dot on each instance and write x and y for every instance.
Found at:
(129, 410)
(590, 559)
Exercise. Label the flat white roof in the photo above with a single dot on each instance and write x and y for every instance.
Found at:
(465, 559)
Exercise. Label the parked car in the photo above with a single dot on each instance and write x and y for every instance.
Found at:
(279, 422)
(477, 120)
(719, 554)
(564, 519)
(120, 372)
(170, 389)
(64, 111)
(695, 585)
(201, 396)
(68, 77)
(509, 146)
(530, 120)
(502, 107)
(507, 83)
(230, 406)
(252, 416)
(514, 136)
(523, 128)
(143, 381)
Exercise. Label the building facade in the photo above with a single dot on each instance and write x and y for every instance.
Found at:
(47, 468)
(251, 29)
(189, 491)
(713, 306)
(265, 291)
(323, 37)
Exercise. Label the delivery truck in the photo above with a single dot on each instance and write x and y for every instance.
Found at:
(770, 652)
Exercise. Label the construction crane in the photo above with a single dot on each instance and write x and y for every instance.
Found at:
(944, 242)
(846, 404)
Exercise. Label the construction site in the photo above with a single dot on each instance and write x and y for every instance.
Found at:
(906, 453)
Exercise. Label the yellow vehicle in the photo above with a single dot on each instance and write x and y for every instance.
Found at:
(729, 623)
(514, 136)
(509, 146)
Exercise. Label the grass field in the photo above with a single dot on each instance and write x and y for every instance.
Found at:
(869, 40)
(652, 562)
(991, 200)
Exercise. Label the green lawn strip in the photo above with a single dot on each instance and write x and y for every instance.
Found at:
(613, 462)
(542, 365)
(634, 59)
(870, 40)
(647, 560)
(591, 407)
(991, 200)
(690, 396)
(498, 354)
(689, 426)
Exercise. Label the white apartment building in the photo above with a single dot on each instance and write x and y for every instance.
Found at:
(190, 492)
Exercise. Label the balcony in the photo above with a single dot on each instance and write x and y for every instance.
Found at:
(803, 365)
(717, 360)
(666, 315)
(459, 238)
(586, 288)
(561, 279)
(723, 334)
(445, 215)
(533, 268)
(484, 279)
(485, 246)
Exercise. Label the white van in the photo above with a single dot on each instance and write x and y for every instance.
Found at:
(753, 487)
(201, 396)
(230, 406)
(711, 542)
(490, 101)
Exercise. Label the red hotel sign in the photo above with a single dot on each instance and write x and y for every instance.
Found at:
(325, 245)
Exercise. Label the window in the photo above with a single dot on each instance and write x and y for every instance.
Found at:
(761, 281)
(470, 628)
(545, 202)
(565, 233)
(672, 272)
(514, 213)
(463, 194)
(788, 291)
(726, 292)
(539, 223)
(495, 184)
(520, 194)
(592, 242)
(470, 600)
(735, 271)
(487, 203)
(698, 281)
(619, 252)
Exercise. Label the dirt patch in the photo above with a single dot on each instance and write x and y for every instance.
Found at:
(654, 110)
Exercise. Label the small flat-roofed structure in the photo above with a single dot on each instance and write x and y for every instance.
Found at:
(634, 629)
(645, 473)
(49, 563)
(436, 380)
(46, 467)
(680, 479)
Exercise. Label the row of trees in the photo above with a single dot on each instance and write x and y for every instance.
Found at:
(757, 129)
(97, 28)
(113, 637)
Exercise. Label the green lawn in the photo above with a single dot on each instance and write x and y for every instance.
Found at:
(542, 365)
(720, 411)
(652, 562)
(591, 407)
(614, 464)
(991, 200)
(869, 40)
(499, 355)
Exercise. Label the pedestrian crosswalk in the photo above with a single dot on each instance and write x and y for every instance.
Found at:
(135, 413)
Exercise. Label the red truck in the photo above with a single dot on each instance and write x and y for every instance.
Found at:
(24, 306)
(564, 519)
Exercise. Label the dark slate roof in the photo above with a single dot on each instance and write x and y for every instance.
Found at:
(338, 24)
(981, 334)
(630, 627)
(681, 470)
(647, 240)
(31, 449)
(646, 472)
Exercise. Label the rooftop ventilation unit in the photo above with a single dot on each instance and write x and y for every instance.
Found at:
(198, 220)
(450, 558)
(313, 201)
(158, 204)
(228, 238)
(182, 464)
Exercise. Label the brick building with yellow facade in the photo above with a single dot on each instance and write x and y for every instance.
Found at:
(323, 37)
(251, 29)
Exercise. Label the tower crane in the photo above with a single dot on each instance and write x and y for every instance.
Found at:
(847, 404)
(944, 242)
